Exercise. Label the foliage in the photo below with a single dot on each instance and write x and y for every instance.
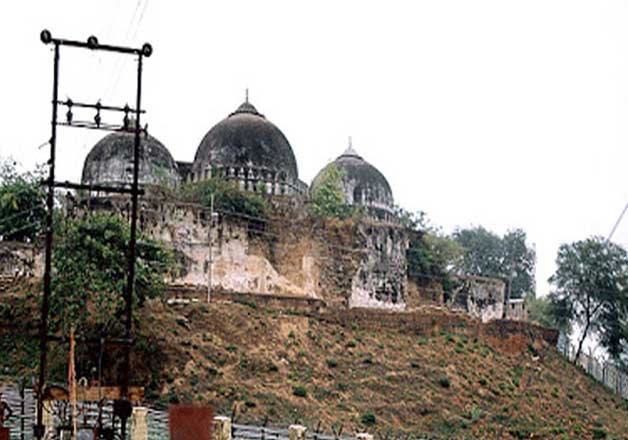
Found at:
(227, 197)
(431, 255)
(591, 290)
(22, 203)
(90, 266)
(328, 199)
(542, 311)
(444, 381)
(299, 391)
(368, 419)
(508, 258)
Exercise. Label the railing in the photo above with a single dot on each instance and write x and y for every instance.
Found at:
(606, 373)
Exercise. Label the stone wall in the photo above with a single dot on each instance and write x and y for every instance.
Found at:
(480, 297)
(20, 260)
(346, 264)
(515, 309)
(381, 279)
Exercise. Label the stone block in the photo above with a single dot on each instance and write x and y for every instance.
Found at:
(296, 432)
(222, 428)
(139, 425)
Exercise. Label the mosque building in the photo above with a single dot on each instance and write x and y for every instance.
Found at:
(245, 148)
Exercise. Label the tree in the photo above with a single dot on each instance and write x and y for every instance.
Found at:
(508, 258)
(591, 291)
(328, 198)
(90, 266)
(542, 311)
(431, 255)
(22, 203)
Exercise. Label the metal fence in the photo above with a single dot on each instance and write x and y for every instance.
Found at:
(604, 372)
(22, 402)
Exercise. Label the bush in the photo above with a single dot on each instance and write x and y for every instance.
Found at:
(227, 197)
(90, 259)
(22, 203)
(299, 391)
(328, 199)
(444, 382)
(599, 433)
(368, 419)
(332, 363)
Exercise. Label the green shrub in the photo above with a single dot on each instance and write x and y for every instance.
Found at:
(328, 199)
(299, 391)
(598, 433)
(368, 419)
(227, 197)
(22, 203)
(444, 382)
(482, 381)
(332, 363)
(232, 348)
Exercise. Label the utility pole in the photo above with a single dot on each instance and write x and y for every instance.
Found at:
(122, 407)
(209, 236)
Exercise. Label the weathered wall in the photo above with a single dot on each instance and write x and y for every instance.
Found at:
(381, 279)
(480, 297)
(515, 309)
(20, 259)
(346, 264)
(238, 260)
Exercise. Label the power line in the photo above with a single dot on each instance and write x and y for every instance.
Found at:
(111, 90)
(621, 216)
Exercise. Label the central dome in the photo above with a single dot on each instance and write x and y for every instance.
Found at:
(246, 142)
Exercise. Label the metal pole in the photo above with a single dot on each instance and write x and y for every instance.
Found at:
(45, 304)
(132, 248)
(209, 234)
(22, 409)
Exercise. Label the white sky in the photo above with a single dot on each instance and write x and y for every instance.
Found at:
(496, 113)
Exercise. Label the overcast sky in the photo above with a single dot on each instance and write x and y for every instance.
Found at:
(506, 114)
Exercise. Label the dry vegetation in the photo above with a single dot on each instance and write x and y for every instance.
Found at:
(286, 366)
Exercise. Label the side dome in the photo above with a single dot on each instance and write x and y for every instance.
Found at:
(249, 148)
(362, 184)
(110, 162)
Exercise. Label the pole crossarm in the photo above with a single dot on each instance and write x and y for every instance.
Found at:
(93, 44)
(100, 126)
(98, 106)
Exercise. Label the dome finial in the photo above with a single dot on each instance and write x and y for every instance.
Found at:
(350, 151)
(246, 95)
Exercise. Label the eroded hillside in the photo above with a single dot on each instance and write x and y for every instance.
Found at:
(447, 378)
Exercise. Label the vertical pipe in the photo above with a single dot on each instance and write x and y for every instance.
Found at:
(45, 304)
(22, 409)
(209, 236)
